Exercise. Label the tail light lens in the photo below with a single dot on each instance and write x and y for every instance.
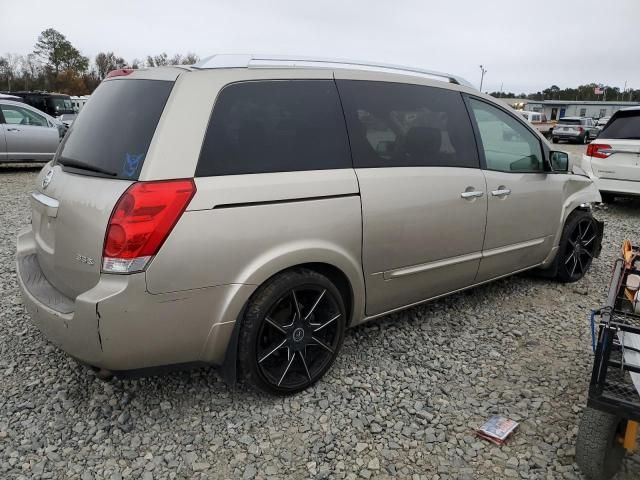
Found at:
(598, 150)
(580, 129)
(141, 221)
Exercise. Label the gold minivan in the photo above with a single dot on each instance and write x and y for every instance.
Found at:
(244, 211)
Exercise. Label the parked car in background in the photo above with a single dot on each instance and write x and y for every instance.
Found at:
(54, 104)
(539, 122)
(574, 129)
(302, 197)
(27, 134)
(601, 122)
(613, 159)
(14, 98)
(68, 118)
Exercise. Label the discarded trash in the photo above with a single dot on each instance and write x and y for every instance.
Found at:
(497, 429)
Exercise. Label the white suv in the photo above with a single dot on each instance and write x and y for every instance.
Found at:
(613, 160)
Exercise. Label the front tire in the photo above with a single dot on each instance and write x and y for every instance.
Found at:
(599, 454)
(291, 333)
(554, 140)
(577, 246)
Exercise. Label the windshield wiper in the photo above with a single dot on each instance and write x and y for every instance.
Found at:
(67, 162)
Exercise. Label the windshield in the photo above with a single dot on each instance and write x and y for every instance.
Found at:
(569, 121)
(61, 105)
(113, 131)
(624, 125)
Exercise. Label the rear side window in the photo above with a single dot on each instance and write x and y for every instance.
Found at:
(115, 128)
(275, 126)
(625, 125)
(403, 125)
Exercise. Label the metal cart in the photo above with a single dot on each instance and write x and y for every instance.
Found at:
(608, 428)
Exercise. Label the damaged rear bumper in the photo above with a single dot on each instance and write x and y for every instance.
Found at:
(118, 325)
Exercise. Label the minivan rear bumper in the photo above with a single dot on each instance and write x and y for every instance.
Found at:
(118, 325)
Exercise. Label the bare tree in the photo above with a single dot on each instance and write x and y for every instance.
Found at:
(190, 58)
(31, 69)
(11, 66)
(158, 60)
(176, 59)
(105, 62)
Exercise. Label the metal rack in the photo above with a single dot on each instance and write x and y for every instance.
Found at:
(611, 388)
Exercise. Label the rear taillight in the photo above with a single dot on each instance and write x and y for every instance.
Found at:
(598, 150)
(141, 221)
(580, 129)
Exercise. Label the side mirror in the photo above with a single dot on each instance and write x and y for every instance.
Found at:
(559, 161)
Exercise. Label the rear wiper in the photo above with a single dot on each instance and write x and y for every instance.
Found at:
(67, 162)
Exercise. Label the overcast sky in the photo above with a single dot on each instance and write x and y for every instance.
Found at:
(524, 44)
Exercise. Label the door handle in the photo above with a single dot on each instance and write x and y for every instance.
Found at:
(471, 194)
(501, 192)
(13, 129)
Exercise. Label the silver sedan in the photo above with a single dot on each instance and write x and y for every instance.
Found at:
(27, 134)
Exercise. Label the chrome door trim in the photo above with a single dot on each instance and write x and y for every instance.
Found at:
(611, 151)
(51, 204)
(404, 271)
(511, 248)
(419, 302)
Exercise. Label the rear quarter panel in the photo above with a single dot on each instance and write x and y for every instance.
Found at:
(243, 229)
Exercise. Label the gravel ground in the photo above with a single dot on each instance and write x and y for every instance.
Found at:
(401, 401)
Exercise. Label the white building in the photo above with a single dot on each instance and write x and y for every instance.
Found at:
(556, 109)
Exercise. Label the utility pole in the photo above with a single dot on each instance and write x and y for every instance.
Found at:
(483, 70)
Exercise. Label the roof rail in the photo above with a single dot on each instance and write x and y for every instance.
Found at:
(283, 61)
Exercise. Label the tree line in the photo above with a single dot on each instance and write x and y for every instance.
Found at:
(56, 65)
(583, 92)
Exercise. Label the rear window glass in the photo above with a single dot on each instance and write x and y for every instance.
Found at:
(569, 121)
(624, 125)
(275, 126)
(402, 125)
(115, 128)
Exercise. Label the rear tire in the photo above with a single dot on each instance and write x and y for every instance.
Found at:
(577, 246)
(291, 332)
(598, 452)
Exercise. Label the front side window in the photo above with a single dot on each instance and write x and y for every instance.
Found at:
(507, 144)
(275, 126)
(404, 125)
(21, 116)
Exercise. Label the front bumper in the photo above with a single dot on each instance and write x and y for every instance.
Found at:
(118, 325)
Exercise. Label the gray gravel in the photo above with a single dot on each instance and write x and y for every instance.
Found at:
(401, 401)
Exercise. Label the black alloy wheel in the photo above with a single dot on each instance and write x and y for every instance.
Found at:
(577, 247)
(294, 327)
